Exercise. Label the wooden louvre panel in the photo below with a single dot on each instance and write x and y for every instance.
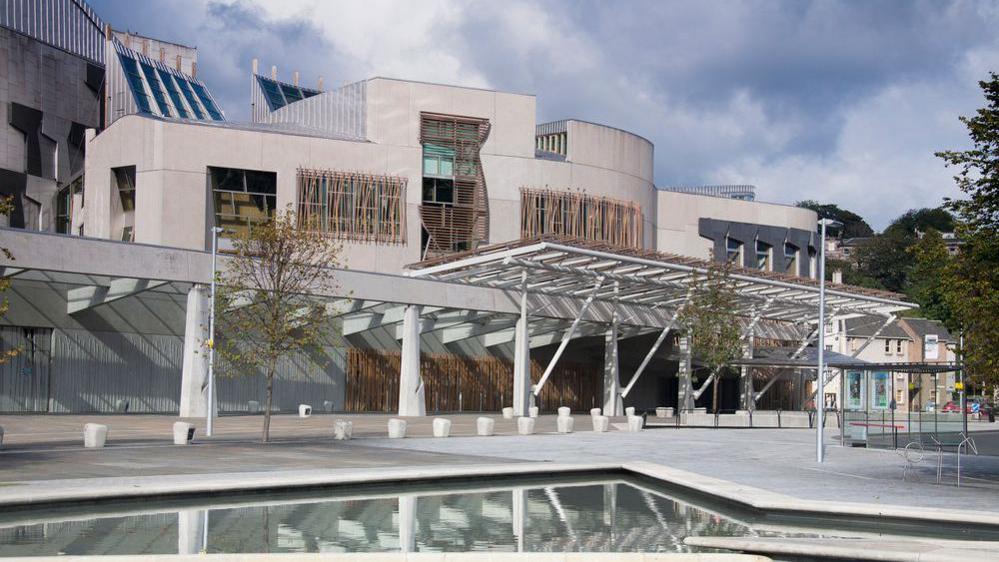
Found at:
(574, 215)
(353, 206)
(455, 383)
(463, 224)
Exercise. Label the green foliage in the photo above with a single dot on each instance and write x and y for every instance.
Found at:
(971, 279)
(885, 259)
(710, 320)
(938, 219)
(930, 261)
(263, 308)
(851, 275)
(854, 226)
(6, 207)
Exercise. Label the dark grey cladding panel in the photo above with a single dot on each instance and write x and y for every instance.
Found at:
(76, 143)
(747, 234)
(14, 184)
(29, 121)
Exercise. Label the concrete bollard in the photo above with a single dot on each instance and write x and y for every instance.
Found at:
(564, 424)
(442, 427)
(594, 412)
(564, 411)
(664, 412)
(533, 411)
(525, 426)
(629, 411)
(183, 433)
(253, 407)
(304, 410)
(328, 406)
(508, 413)
(396, 428)
(635, 423)
(94, 435)
(484, 426)
(601, 424)
(343, 430)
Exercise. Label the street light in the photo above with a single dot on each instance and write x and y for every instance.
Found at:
(820, 396)
(209, 422)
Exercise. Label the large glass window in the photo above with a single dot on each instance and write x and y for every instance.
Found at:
(135, 83)
(576, 215)
(192, 100)
(171, 89)
(124, 179)
(207, 101)
(243, 198)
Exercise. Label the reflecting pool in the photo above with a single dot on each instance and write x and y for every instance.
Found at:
(582, 513)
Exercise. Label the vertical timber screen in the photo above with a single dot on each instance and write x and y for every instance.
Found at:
(577, 216)
(471, 384)
(352, 205)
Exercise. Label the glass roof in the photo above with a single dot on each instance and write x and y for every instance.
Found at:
(176, 94)
(280, 94)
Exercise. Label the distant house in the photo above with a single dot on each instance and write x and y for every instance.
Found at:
(930, 342)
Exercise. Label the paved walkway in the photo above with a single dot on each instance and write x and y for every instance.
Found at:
(781, 460)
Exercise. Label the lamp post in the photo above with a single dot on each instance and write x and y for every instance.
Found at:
(820, 394)
(209, 422)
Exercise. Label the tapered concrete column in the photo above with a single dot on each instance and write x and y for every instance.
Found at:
(520, 516)
(685, 396)
(613, 403)
(411, 395)
(407, 523)
(194, 373)
(522, 359)
(191, 531)
(746, 401)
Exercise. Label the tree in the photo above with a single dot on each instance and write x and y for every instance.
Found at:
(264, 309)
(922, 220)
(931, 261)
(854, 226)
(6, 207)
(710, 321)
(971, 278)
(885, 259)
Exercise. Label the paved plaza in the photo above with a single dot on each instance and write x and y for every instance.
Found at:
(779, 460)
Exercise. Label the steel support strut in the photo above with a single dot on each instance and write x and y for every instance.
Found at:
(567, 337)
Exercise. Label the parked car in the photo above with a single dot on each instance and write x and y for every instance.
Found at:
(970, 407)
(952, 407)
(931, 406)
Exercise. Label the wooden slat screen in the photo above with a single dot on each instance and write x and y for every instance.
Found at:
(576, 215)
(353, 205)
(472, 384)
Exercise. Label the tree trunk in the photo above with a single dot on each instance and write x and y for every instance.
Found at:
(714, 391)
(271, 365)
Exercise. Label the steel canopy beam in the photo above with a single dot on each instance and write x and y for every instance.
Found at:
(85, 298)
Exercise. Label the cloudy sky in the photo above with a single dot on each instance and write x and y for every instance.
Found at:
(843, 102)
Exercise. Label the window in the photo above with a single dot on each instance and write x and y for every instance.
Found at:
(156, 88)
(207, 101)
(898, 347)
(733, 249)
(135, 83)
(762, 255)
(438, 161)
(64, 205)
(243, 198)
(791, 257)
(171, 89)
(437, 190)
(185, 88)
(887, 346)
(353, 206)
(124, 180)
(127, 234)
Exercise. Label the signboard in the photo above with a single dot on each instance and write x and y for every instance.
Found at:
(879, 391)
(931, 349)
(854, 390)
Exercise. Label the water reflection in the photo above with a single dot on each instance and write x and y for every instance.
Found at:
(609, 515)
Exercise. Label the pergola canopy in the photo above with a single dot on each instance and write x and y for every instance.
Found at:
(639, 277)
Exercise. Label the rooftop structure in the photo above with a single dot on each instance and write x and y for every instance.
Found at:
(743, 192)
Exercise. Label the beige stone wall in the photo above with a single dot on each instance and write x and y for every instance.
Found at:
(678, 213)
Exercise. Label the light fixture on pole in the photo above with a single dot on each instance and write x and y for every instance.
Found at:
(210, 415)
(820, 389)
